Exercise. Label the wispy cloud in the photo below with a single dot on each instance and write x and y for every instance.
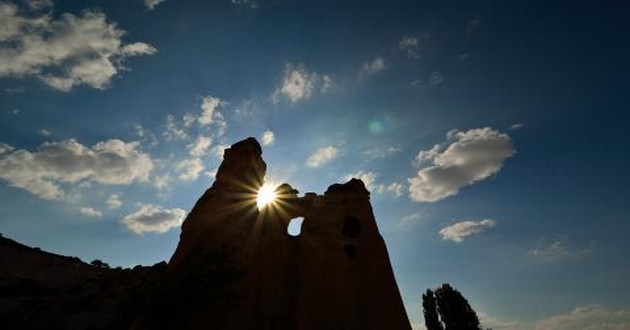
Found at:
(113, 201)
(63, 52)
(473, 24)
(381, 152)
(410, 45)
(152, 3)
(557, 247)
(471, 156)
(436, 78)
(373, 67)
(42, 172)
(39, 4)
(151, 218)
(252, 4)
(587, 318)
(322, 156)
(410, 219)
(458, 231)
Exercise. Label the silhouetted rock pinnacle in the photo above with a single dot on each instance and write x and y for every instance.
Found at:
(335, 275)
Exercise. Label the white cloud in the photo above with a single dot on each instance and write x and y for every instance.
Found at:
(90, 212)
(252, 4)
(458, 231)
(517, 126)
(137, 48)
(410, 45)
(189, 169)
(209, 105)
(322, 156)
(45, 132)
(113, 201)
(152, 3)
(587, 318)
(370, 68)
(42, 171)
(155, 219)
(268, 138)
(472, 156)
(63, 52)
(200, 146)
(297, 84)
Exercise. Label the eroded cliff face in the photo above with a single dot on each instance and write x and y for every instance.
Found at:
(335, 275)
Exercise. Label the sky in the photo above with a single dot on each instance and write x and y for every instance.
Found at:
(491, 134)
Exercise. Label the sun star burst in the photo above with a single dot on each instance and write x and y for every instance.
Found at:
(266, 195)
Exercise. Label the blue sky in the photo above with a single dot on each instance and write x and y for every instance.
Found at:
(491, 134)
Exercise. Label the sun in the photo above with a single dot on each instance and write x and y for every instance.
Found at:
(266, 195)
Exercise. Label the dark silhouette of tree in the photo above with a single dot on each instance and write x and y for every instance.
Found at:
(454, 310)
(429, 309)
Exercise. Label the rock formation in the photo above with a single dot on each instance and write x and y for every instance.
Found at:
(235, 267)
(335, 275)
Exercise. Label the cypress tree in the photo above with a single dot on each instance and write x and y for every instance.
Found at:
(429, 309)
(455, 311)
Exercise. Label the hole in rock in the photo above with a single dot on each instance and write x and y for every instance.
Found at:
(295, 226)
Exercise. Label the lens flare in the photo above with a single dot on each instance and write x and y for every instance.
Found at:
(266, 195)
